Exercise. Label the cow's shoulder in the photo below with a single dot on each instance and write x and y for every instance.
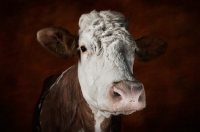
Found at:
(48, 82)
(58, 108)
(55, 90)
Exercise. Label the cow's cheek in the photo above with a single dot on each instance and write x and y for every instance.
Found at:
(86, 80)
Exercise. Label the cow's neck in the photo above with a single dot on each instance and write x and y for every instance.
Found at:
(102, 123)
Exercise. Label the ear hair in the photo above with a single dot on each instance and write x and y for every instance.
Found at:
(58, 41)
(149, 48)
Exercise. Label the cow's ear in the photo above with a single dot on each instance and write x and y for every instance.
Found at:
(58, 41)
(149, 48)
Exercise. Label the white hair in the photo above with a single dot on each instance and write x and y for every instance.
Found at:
(108, 31)
(103, 19)
(105, 26)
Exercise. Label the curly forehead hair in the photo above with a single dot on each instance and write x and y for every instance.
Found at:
(105, 27)
(103, 19)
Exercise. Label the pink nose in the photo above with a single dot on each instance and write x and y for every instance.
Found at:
(128, 96)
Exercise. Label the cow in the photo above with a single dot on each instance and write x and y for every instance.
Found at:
(91, 95)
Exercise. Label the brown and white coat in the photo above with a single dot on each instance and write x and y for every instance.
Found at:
(88, 95)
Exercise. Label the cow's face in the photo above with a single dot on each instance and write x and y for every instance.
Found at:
(106, 61)
(107, 53)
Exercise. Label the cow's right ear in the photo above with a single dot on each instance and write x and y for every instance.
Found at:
(58, 41)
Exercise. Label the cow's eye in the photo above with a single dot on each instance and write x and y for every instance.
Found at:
(83, 48)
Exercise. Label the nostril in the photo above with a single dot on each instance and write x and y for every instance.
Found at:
(141, 97)
(116, 94)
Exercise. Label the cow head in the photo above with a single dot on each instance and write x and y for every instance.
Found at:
(107, 52)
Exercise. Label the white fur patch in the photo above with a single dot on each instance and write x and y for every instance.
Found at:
(109, 57)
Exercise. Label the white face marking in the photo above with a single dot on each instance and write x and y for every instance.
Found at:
(109, 57)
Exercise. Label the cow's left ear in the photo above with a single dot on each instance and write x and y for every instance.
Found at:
(149, 48)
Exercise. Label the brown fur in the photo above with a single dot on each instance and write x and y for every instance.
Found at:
(105, 125)
(64, 108)
(149, 48)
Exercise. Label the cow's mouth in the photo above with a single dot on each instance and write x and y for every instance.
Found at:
(108, 113)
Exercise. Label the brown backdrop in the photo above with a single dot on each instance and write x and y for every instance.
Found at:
(171, 81)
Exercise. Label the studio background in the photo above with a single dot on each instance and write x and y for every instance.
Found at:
(172, 82)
